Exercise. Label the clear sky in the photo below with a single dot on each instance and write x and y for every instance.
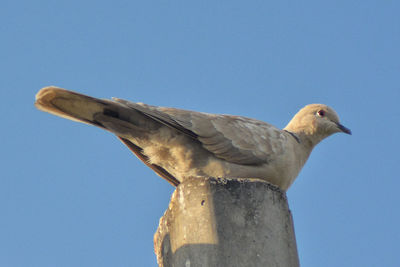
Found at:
(73, 195)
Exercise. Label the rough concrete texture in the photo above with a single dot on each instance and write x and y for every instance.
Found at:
(219, 222)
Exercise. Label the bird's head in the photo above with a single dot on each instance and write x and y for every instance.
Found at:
(316, 122)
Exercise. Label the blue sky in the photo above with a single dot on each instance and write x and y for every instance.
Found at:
(73, 195)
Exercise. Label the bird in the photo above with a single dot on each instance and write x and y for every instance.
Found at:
(178, 143)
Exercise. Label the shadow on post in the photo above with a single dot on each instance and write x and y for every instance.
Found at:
(219, 222)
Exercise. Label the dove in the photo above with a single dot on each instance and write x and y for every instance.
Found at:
(179, 143)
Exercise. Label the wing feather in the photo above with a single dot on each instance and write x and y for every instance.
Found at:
(235, 139)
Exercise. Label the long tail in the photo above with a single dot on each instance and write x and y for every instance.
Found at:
(71, 105)
(110, 115)
(106, 114)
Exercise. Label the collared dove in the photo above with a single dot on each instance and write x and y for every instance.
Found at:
(178, 143)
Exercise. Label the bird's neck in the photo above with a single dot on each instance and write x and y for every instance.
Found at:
(306, 136)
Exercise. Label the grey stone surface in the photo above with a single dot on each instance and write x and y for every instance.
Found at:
(220, 222)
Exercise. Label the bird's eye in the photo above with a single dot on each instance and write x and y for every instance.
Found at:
(321, 113)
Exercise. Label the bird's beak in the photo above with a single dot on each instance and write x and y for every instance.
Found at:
(343, 129)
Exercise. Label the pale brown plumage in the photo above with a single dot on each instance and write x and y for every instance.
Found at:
(178, 143)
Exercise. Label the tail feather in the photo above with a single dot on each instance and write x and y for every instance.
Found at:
(69, 105)
(107, 114)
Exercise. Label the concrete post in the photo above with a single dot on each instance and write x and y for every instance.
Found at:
(218, 222)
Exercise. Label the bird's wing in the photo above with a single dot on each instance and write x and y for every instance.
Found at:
(235, 139)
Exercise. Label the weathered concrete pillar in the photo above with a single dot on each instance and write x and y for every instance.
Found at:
(214, 222)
